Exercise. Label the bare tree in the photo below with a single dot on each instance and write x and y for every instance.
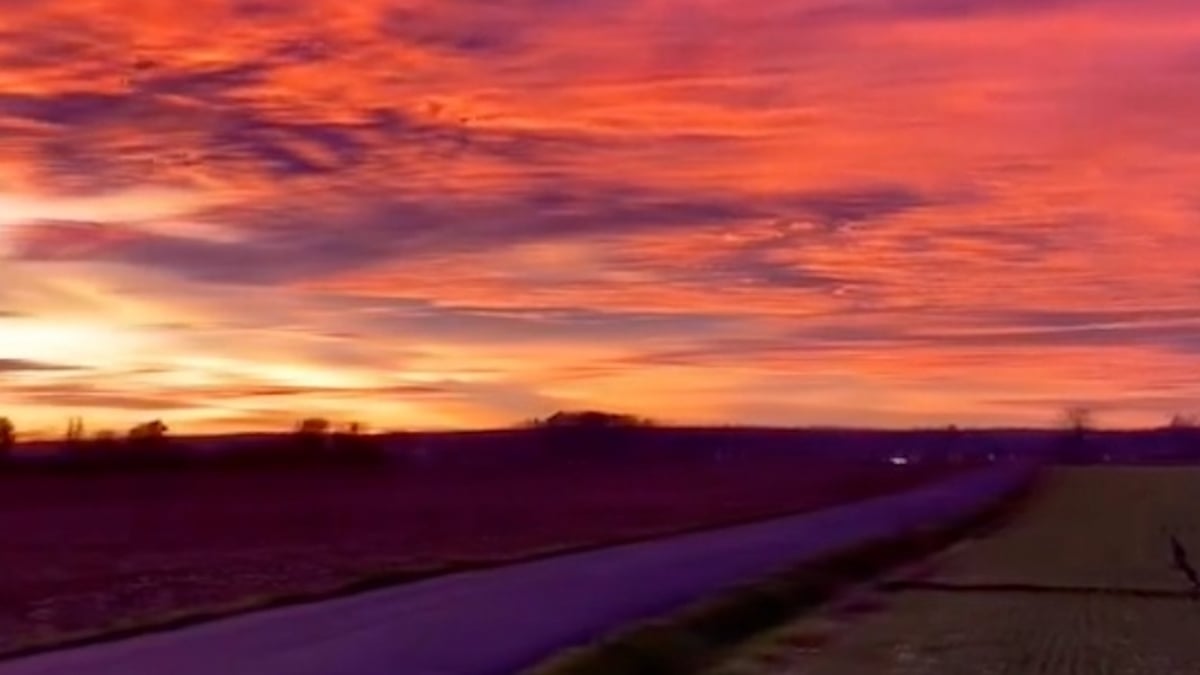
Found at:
(8, 435)
(1185, 430)
(1183, 422)
(75, 430)
(1079, 420)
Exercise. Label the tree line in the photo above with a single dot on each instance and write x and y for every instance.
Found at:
(148, 444)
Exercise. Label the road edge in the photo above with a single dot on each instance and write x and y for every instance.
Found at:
(694, 637)
(382, 580)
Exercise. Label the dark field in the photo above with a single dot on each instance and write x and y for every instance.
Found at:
(90, 552)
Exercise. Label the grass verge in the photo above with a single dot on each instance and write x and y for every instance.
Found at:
(697, 636)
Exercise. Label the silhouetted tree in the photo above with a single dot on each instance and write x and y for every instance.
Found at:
(313, 425)
(591, 431)
(1184, 432)
(594, 419)
(74, 430)
(148, 433)
(1183, 422)
(353, 445)
(312, 433)
(8, 436)
(348, 437)
(1079, 420)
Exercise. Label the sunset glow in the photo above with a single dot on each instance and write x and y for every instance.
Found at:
(231, 214)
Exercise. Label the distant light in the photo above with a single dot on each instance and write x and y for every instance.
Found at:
(899, 461)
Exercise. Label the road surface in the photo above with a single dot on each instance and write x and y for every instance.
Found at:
(498, 621)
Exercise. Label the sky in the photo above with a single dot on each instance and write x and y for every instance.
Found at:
(230, 214)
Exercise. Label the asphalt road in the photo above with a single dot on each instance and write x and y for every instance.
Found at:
(498, 621)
